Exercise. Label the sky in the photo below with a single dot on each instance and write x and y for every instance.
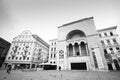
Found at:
(42, 17)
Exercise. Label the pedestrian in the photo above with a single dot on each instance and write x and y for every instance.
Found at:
(59, 68)
(9, 69)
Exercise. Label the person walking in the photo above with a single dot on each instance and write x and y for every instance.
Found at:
(9, 69)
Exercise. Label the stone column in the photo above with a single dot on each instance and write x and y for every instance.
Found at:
(86, 48)
(67, 51)
(30, 66)
(80, 50)
(113, 65)
(73, 50)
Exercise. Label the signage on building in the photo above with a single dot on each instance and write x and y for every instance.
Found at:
(61, 54)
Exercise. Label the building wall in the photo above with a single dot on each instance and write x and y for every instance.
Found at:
(111, 46)
(92, 40)
(4, 47)
(27, 49)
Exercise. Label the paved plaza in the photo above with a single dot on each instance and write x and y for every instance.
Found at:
(60, 75)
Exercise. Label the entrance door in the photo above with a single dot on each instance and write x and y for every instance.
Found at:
(110, 66)
(78, 66)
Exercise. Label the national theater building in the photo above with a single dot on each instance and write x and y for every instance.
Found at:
(27, 50)
(79, 46)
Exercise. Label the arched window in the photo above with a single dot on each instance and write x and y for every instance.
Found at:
(83, 49)
(76, 46)
(70, 50)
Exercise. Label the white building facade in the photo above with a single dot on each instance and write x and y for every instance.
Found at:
(78, 47)
(110, 43)
(27, 51)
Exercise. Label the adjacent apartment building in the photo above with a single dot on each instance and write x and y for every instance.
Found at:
(79, 46)
(110, 44)
(27, 51)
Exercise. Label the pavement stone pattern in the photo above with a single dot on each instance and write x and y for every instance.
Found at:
(60, 75)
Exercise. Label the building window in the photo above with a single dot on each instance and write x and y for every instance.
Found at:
(111, 33)
(29, 53)
(51, 62)
(24, 58)
(114, 40)
(54, 62)
(20, 58)
(52, 43)
(95, 60)
(111, 48)
(19, 48)
(18, 53)
(117, 48)
(51, 55)
(54, 55)
(12, 48)
(21, 53)
(54, 49)
(16, 58)
(12, 57)
(100, 35)
(102, 42)
(108, 41)
(55, 42)
(105, 34)
(27, 58)
(8, 57)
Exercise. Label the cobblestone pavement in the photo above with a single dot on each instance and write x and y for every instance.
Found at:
(60, 75)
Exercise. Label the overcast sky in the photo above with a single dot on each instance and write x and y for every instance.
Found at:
(42, 17)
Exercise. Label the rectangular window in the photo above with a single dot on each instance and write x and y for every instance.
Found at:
(100, 35)
(114, 41)
(102, 42)
(105, 34)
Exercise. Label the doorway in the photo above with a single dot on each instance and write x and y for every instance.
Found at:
(78, 66)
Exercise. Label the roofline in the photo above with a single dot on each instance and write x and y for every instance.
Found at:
(41, 40)
(76, 21)
(53, 39)
(113, 27)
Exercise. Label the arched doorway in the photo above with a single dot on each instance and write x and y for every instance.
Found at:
(116, 64)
